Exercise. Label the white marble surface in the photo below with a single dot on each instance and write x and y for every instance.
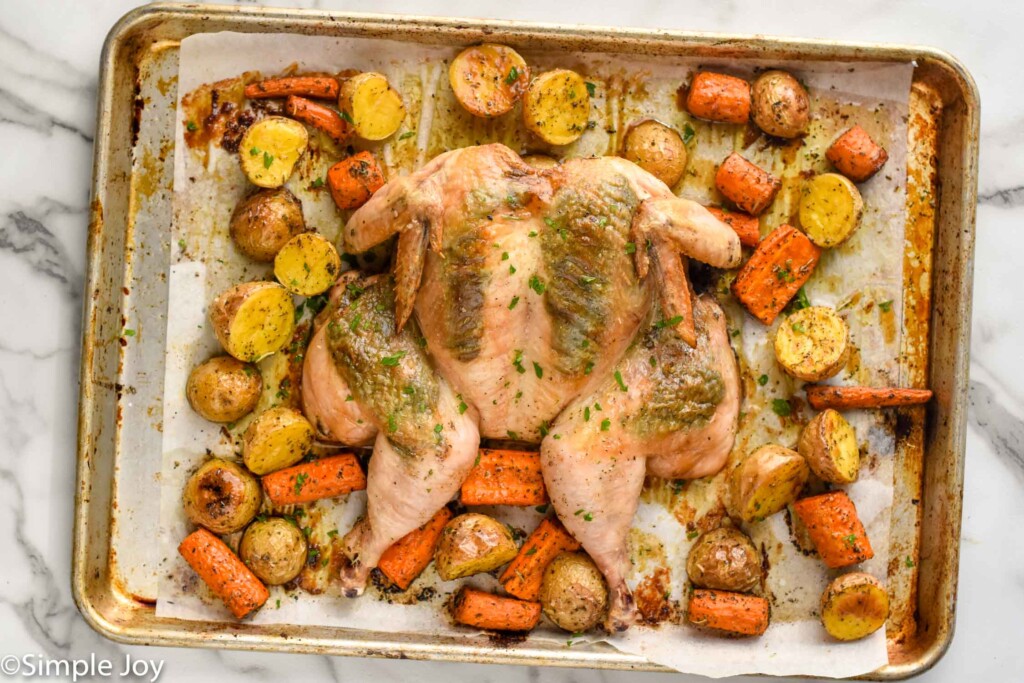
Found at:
(48, 73)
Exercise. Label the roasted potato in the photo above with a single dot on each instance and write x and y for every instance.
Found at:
(724, 559)
(264, 221)
(813, 344)
(471, 544)
(253, 320)
(270, 148)
(557, 106)
(829, 445)
(780, 105)
(766, 481)
(573, 593)
(308, 265)
(371, 105)
(221, 496)
(541, 162)
(488, 79)
(853, 606)
(657, 149)
(277, 438)
(274, 549)
(224, 389)
(830, 209)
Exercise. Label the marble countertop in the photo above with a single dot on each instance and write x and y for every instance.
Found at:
(49, 52)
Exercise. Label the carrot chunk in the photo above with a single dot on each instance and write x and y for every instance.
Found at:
(353, 181)
(323, 478)
(747, 227)
(223, 572)
(494, 612)
(503, 477)
(850, 398)
(318, 116)
(746, 185)
(523, 576)
(739, 613)
(718, 97)
(321, 87)
(835, 529)
(856, 155)
(409, 556)
(778, 268)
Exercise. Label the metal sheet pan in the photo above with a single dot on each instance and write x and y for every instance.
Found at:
(114, 574)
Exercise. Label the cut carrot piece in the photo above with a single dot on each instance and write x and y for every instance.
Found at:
(321, 87)
(746, 185)
(409, 556)
(850, 398)
(739, 613)
(318, 116)
(782, 263)
(718, 97)
(324, 478)
(856, 155)
(353, 181)
(524, 574)
(747, 227)
(835, 529)
(494, 612)
(503, 477)
(223, 572)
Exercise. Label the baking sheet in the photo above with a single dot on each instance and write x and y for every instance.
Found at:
(207, 187)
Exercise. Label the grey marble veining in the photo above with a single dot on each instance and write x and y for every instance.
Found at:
(48, 72)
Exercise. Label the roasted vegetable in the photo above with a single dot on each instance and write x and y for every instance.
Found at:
(323, 87)
(223, 572)
(813, 344)
(277, 438)
(320, 117)
(735, 613)
(853, 606)
(471, 544)
(264, 221)
(724, 559)
(274, 550)
(488, 79)
(573, 593)
(749, 187)
(719, 97)
(766, 481)
(856, 155)
(835, 529)
(557, 106)
(494, 612)
(830, 209)
(270, 148)
(224, 389)
(307, 265)
(747, 227)
(371, 105)
(334, 475)
(822, 396)
(778, 268)
(409, 556)
(253, 320)
(523, 576)
(780, 105)
(221, 496)
(504, 477)
(829, 445)
(657, 149)
(353, 181)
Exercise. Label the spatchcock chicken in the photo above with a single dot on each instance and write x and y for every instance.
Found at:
(520, 299)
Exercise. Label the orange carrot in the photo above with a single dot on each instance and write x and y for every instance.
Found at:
(522, 577)
(502, 477)
(353, 181)
(321, 87)
(324, 478)
(746, 185)
(747, 227)
(856, 155)
(718, 97)
(782, 263)
(223, 572)
(411, 554)
(850, 398)
(835, 529)
(745, 615)
(494, 612)
(318, 116)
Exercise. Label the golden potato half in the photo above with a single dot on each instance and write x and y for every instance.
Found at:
(557, 106)
(812, 344)
(371, 105)
(264, 221)
(270, 148)
(829, 445)
(277, 438)
(253, 320)
(766, 481)
(853, 606)
(488, 79)
(830, 209)
(471, 544)
(307, 265)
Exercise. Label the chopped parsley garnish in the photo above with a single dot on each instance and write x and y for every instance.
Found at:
(688, 133)
(588, 368)
(513, 76)
(354, 325)
(512, 435)
(543, 429)
(597, 406)
(587, 280)
(517, 361)
(886, 306)
(587, 517)
(542, 509)
(538, 370)
(605, 424)
(392, 423)
(268, 159)
(537, 285)
(504, 256)
(630, 247)
(181, 245)
(781, 407)
(531, 551)
(783, 274)
(392, 361)
(800, 301)
(318, 183)
(300, 481)
(255, 151)
(191, 126)
(671, 322)
(798, 328)
(511, 269)
(462, 406)
(512, 304)
(586, 414)
(762, 380)
(618, 380)
(438, 428)
(591, 88)
(347, 117)
(532, 233)
(851, 540)
(690, 535)
(909, 562)
(406, 135)
(128, 332)
(654, 362)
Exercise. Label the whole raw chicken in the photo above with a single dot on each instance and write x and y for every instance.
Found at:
(540, 306)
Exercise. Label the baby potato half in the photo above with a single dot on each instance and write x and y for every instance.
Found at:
(270, 149)
(277, 438)
(766, 481)
(471, 544)
(253, 320)
(829, 445)
(813, 344)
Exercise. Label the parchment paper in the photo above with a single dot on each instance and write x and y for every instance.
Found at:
(867, 268)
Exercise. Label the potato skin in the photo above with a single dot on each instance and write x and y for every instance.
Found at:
(724, 559)
(264, 221)
(766, 481)
(573, 593)
(229, 304)
(221, 496)
(471, 544)
(224, 389)
(853, 606)
(277, 438)
(274, 549)
(829, 445)
(657, 149)
(780, 105)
